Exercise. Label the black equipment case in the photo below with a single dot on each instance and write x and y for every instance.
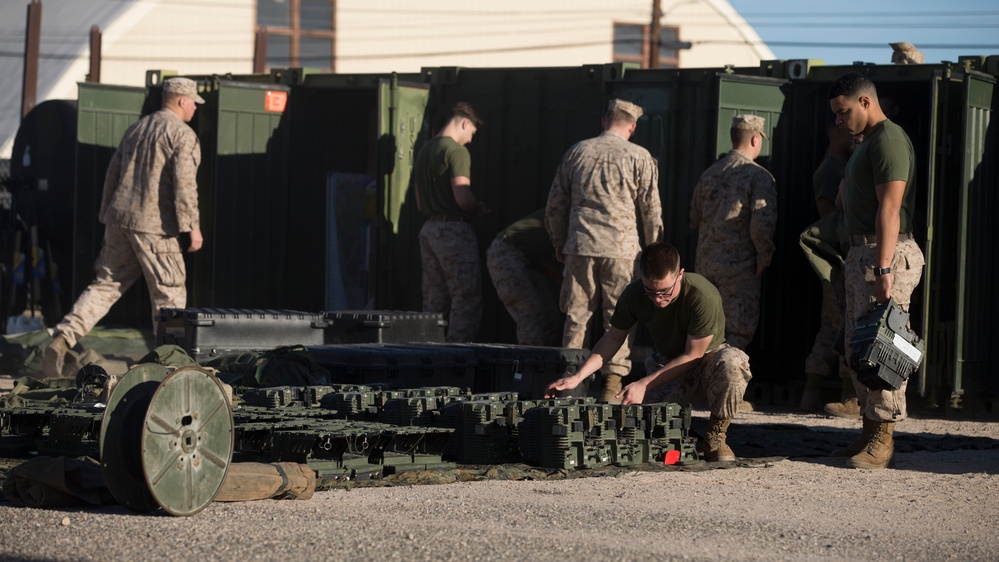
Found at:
(210, 332)
(383, 326)
(397, 366)
(884, 351)
(524, 369)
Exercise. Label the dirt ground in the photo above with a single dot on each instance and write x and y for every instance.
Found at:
(785, 500)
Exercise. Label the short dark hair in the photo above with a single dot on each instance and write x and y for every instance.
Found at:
(851, 84)
(616, 116)
(465, 110)
(740, 136)
(659, 260)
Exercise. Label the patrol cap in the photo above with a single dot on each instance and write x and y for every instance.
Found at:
(625, 106)
(905, 53)
(184, 87)
(750, 123)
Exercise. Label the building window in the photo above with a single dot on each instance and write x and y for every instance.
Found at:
(298, 32)
(631, 44)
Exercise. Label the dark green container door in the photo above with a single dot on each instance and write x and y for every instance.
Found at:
(961, 241)
(977, 300)
(397, 266)
(243, 198)
(766, 97)
(753, 95)
(103, 114)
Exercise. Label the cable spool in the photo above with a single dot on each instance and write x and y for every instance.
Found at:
(166, 439)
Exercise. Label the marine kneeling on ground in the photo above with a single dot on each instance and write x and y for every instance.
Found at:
(692, 362)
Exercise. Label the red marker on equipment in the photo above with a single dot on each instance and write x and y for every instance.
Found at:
(672, 457)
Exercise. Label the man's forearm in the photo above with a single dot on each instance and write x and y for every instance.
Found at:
(886, 234)
(673, 369)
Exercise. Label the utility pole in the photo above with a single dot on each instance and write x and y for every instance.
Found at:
(260, 51)
(32, 38)
(95, 55)
(655, 30)
(334, 25)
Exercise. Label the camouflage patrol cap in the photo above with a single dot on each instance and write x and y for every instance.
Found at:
(750, 123)
(625, 106)
(184, 87)
(905, 53)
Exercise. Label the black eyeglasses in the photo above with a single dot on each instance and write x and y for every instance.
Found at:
(662, 294)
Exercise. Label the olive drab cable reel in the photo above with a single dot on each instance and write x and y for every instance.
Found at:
(167, 439)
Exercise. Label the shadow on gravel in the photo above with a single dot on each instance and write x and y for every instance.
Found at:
(814, 444)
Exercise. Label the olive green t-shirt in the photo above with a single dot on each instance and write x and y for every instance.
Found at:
(825, 180)
(885, 155)
(530, 237)
(696, 311)
(438, 161)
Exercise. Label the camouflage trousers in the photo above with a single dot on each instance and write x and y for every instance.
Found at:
(452, 277)
(720, 379)
(907, 270)
(526, 293)
(823, 358)
(590, 284)
(740, 292)
(126, 256)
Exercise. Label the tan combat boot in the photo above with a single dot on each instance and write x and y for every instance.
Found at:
(811, 396)
(860, 444)
(714, 448)
(848, 406)
(879, 450)
(55, 357)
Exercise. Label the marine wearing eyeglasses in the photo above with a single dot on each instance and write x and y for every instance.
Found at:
(683, 314)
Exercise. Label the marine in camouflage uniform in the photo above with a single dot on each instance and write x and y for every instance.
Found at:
(592, 222)
(150, 197)
(521, 262)
(449, 253)
(734, 210)
(884, 260)
(823, 358)
(683, 313)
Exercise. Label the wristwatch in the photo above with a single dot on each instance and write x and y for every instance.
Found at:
(882, 270)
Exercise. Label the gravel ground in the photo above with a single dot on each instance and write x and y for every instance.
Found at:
(940, 502)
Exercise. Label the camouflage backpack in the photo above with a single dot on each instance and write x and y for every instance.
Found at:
(290, 365)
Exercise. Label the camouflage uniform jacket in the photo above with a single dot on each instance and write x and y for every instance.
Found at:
(734, 210)
(151, 181)
(591, 206)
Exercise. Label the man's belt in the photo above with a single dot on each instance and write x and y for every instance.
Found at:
(861, 239)
(447, 218)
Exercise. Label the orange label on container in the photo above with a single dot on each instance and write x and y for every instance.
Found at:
(275, 101)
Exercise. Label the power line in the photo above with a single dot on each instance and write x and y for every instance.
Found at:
(881, 45)
(983, 47)
(54, 56)
(894, 27)
(890, 15)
